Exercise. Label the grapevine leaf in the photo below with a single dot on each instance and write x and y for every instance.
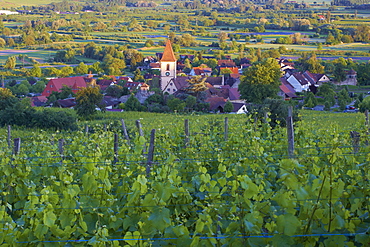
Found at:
(49, 218)
(287, 224)
(160, 218)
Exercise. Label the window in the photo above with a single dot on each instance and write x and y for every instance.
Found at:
(48, 91)
(51, 85)
(171, 84)
(168, 89)
(168, 67)
(174, 90)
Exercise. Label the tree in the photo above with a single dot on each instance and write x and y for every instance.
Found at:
(197, 84)
(38, 87)
(113, 66)
(222, 36)
(339, 72)
(326, 90)
(226, 71)
(87, 100)
(362, 33)
(311, 64)
(343, 99)
(35, 71)
(7, 98)
(310, 101)
(176, 104)
(260, 81)
(82, 69)
(66, 71)
(116, 91)
(228, 107)
(138, 76)
(365, 104)
(11, 42)
(327, 106)
(10, 62)
(319, 47)
(190, 102)
(65, 92)
(22, 89)
(132, 104)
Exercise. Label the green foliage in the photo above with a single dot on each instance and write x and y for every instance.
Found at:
(276, 109)
(35, 71)
(176, 105)
(260, 81)
(116, 91)
(81, 69)
(312, 64)
(6, 98)
(138, 76)
(365, 104)
(310, 101)
(326, 90)
(241, 187)
(10, 62)
(228, 107)
(21, 113)
(132, 104)
(87, 100)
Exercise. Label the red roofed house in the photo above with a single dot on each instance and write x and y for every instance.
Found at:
(55, 85)
(226, 63)
(286, 90)
(200, 71)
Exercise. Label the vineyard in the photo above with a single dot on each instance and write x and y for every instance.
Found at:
(218, 183)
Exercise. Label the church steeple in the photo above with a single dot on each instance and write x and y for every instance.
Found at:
(168, 69)
(168, 55)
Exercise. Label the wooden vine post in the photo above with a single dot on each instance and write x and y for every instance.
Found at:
(61, 146)
(355, 141)
(187, 132)
(115, 148)
(150, 153)
(17, 146)
(226, 132)
(141, 133)
(125, 134)
(290, 132)
(367, 126)
(9, 136)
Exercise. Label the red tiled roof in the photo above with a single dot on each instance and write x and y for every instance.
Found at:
(38, 101)
(287, 88)
(168, 55)
(154, 65)
(228, 63)
(56, 84)
(201, 71)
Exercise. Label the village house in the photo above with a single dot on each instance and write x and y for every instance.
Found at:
(55, 85)
(303, 81)
(203, 71)
(351, 78)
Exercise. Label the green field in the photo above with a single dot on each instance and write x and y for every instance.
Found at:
(17, 3)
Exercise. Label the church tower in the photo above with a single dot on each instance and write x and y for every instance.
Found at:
(168, 69)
